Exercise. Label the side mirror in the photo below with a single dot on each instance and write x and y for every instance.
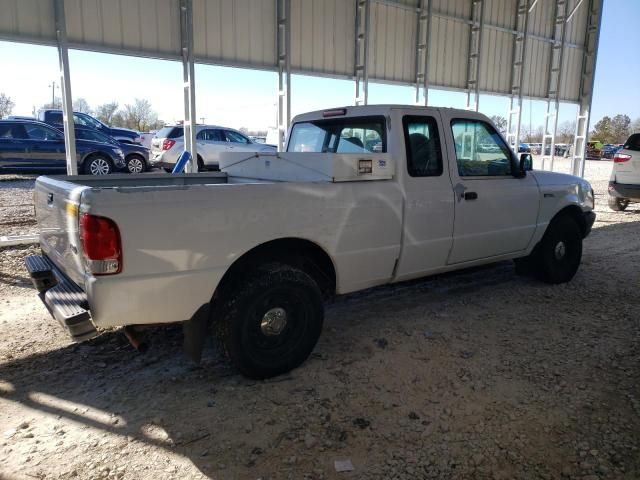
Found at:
(526, 163)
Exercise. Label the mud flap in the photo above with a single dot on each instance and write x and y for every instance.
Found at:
(195, 332)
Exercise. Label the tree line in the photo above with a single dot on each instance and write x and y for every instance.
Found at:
(613, 130)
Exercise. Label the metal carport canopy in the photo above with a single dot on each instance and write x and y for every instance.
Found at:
(541, 49)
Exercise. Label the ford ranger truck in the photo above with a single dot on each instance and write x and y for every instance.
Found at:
(362, 196)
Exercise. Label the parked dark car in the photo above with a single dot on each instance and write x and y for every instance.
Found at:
(136, 156)
(524, 148)
(54, 118)
(29, 145)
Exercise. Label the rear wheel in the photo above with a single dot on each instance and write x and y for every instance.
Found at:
(271, 323)
(618, 204)
(135, 164)
(98, 165)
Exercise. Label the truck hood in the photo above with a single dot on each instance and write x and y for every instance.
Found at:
(125, 132)
(554, 178)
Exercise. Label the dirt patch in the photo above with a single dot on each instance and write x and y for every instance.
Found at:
(480, 374)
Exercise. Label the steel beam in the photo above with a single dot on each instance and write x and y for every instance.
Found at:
(65, 85)
(518, 64)
(423, 44)
(361, 71)
(283, 48)
(554, 77)
(474, 51)
(590, 53)
(189, 83)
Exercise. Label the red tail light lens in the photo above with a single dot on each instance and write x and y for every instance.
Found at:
(621, 158)
(167, 143)
(101, 244)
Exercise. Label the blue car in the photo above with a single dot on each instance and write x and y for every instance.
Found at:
(136, 156)
(125, 135)
(32, 146)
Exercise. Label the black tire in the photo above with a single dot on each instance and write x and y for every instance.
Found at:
(558, 255)
(618, 204)
(136, 164)
(249, 320)
(201, 167)
(98, 164)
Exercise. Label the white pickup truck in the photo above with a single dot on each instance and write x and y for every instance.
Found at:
(363, 196)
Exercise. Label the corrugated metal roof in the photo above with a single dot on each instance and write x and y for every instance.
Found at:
(243, 33)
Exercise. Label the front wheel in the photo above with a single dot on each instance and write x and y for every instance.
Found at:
(618, 204)
(98, 165)
(560, 251)
(135, 164)
(271, 324)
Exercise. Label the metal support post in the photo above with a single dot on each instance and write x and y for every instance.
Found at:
(283, 40)
(361, 73)
(475, 48)
(514, 115)
(589, 57)
(423, 43)
(65, 82)
(554, 76)
(189, 84)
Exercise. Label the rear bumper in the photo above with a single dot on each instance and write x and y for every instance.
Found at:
(64, 299)
(625, 190)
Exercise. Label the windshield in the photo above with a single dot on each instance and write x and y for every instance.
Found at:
(86, 120)
(344, 135)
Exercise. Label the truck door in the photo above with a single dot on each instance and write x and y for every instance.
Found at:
(495, 212)
(429, 204)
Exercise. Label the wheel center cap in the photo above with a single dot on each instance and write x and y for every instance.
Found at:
(560, 250)
(274, 321)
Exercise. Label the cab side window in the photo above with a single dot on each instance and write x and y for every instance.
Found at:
(210, 135)
(480, 152)
(424, 155)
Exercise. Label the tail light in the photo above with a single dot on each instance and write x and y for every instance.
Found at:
(101, 244)
(167, 143)
(621, 158)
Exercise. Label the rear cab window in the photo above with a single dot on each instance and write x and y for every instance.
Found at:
(339, 135)
(170, 132)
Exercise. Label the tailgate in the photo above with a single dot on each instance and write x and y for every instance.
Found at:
(57, 211)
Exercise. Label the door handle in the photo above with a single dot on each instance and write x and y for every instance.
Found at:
(470, 195)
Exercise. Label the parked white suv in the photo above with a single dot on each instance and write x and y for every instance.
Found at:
(624, 185)
(212, 140)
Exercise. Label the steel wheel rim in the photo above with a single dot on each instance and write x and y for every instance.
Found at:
(135, 165)
(560, 250)
(99, 166)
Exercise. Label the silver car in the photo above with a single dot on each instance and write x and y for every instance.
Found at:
(211, 140)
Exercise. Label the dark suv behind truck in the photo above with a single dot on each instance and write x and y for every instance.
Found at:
(54, 118)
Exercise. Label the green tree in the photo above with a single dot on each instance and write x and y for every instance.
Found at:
(620, 128)
(106, 112)
(602, 130)
(6, 105)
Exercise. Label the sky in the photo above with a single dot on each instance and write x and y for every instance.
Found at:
(247, 98)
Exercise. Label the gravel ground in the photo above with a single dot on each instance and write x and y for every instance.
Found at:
(479, 374)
